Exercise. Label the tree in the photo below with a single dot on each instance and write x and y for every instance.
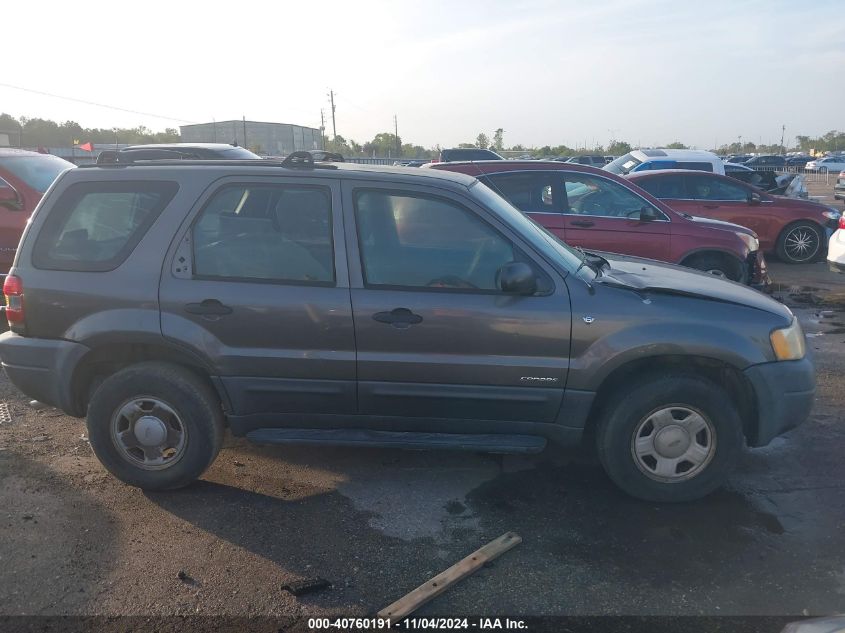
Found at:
(618, 148)
(676, 145)
(466, 145)
(482, 141)
(383, 144)
(499, 140)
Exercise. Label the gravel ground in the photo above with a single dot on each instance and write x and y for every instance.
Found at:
(376, 523)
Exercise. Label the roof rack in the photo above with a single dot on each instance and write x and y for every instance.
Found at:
(112, 156)
(296, 160)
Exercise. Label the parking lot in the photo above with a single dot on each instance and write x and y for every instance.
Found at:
(377, 523)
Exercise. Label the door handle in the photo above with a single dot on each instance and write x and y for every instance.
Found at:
(584, 223)
(209, 307)
(399, 318)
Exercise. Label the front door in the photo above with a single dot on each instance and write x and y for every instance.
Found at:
(436, 337)
(258, 287)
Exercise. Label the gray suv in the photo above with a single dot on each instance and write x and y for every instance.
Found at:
(306, 303)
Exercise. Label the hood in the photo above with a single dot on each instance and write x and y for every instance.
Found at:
(804, 205)
(647, 275)
(720, 224)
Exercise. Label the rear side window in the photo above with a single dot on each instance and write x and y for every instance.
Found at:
(696, 166)
(270, 233)
(94, 226)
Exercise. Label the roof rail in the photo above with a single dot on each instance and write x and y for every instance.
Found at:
(300, 160)
(112, 157)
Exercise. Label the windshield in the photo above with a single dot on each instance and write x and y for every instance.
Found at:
(38, 172)
(538, 236)
(238, 153)
(623, 165)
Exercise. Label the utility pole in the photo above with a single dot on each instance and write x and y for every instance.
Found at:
(334, 127)
(396, 134)
(782, 148)
(322, 129)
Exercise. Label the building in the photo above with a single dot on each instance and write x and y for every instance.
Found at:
(273, 139)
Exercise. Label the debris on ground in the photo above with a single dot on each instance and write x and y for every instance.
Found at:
(457, 572)
(309, 585)
(38, 406)
(186, 577)
(40, 438)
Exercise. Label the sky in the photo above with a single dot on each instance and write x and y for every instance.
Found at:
(548, 72)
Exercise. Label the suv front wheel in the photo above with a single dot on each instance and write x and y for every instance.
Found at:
(154, 425)
(669, 438)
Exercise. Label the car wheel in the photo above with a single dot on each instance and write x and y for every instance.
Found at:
(717, 265)
(669, 438)
(799, 243)
(154, 425)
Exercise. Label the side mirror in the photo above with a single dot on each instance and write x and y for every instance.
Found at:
(9, 197)
(517, 278)
(648, 214)
(754, 198)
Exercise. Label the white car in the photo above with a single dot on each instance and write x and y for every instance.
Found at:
(829, 163)
(836, 249)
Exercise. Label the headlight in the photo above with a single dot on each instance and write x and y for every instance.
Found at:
(832, 214)
(751, 242)
(788, 343)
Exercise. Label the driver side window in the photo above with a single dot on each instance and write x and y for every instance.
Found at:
(591, 195)
(413, 240)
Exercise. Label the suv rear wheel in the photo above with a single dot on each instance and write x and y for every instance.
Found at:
(669, 438)
(155, 425)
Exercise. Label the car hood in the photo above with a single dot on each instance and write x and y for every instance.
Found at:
(646, 275)
(720, 224)
(796, 203)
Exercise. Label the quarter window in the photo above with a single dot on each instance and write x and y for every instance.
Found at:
(426, 242)
(95, 226)
(266, 233)
(526, 191)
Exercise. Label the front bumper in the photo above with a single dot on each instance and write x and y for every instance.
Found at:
(42, 368)
(784, 392)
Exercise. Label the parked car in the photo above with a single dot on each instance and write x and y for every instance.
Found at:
(184, 151)
(836, 249)
(839, 187)
(24, 177)
(737, 159)
(766, 162)
(584, 159)
(648, 159)
(797, 230)
(326, 157)
(824, 165)
(409, 163)
(593, 209)
(789, 184)
(798, 162)
(466, 153)
(304, 302)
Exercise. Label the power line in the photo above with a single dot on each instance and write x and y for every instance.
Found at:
(94, 103)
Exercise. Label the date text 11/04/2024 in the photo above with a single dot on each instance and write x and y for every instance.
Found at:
(433, 624)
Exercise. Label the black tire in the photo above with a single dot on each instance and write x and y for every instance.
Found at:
(626, 410)
(792, 237)
(196, 407)
(717, 265)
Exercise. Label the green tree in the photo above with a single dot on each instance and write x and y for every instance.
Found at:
(676, 145)
(482, 141)
(618, 148)
(499, 140)
(383, 144)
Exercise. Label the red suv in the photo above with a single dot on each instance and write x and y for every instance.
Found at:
(797, 230)
(596, 209)
(24, 177)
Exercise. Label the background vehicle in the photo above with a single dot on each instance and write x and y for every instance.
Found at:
(593, 209)
(379, 307)
(797, 230)
(467, 153)
(767, 162)
(777, 184)
(24, 177)
(824, 165)
(836, 249)
(648, 159)
(326, 157)
(839, 187)
(738, 159)
(798, 161)
(185, 151)
(594, 161)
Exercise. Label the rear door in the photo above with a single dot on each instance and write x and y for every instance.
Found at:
(728, 200)
(531, 193)
(436, 338)
(257, 285)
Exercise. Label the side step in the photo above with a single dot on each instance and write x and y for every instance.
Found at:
(490, 443)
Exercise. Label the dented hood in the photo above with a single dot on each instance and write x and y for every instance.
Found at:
(647, 275)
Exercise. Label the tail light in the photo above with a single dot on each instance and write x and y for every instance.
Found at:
(13, 289)
(842, 222)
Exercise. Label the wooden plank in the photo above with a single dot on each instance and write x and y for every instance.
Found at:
(442, 581)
